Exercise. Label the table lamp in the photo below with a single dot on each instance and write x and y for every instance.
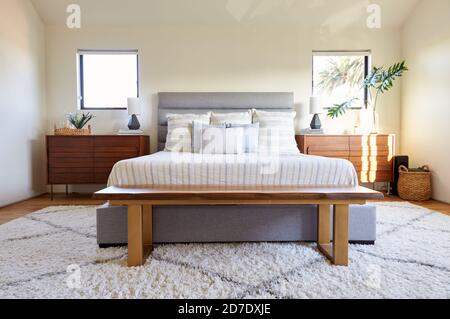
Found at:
(134, 108)
(316, 108)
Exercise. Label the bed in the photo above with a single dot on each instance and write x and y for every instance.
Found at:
(169, 168)
(230, 223)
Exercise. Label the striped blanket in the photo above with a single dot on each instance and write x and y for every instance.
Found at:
(169, 168)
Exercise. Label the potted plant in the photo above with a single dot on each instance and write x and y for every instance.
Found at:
(379, 81)
(77, 122)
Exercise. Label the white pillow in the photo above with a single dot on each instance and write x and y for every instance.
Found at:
(179, 131)
(276, 132)
(251, 136)
(231, 118)
(197, 134)
(217, 139)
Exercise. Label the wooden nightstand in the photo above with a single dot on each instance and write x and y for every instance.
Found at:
(89, 159)
(372, 155)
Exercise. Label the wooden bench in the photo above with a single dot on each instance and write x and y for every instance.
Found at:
(140, 201)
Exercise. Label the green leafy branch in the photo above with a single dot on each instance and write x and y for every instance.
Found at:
(382, 80)
(379, 79)
(79, 121)
(340, 109)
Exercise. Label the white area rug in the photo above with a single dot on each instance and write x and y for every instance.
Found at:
(410, 260)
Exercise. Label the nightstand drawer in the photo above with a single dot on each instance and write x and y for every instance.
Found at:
(324, 145)
(71, 178)
(106, 162)
(89, 159)
(372, 151)
(375, 176)
(108, 142)
(70, 144)
(72, 170)
(118, 152)
(340, 151)
(70, 162)
(380, 163)
(356, 142)
(65, 154)
(371, 155)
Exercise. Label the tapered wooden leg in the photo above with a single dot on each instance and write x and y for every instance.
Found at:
(323, 224)
(148, 225)
(135, 236)
(340, 235)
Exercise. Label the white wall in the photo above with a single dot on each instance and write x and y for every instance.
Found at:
(426, 92)
(230, 57)
(22, 96)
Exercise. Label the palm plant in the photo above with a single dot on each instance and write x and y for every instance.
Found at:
(345, 70)
(79, 121)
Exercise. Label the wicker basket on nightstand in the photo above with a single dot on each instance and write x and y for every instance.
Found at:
(72, 131)
(414, 185)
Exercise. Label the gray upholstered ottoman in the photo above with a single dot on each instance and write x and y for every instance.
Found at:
(176, 224)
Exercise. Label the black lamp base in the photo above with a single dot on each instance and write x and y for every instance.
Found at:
(134, 124)
(315, 123)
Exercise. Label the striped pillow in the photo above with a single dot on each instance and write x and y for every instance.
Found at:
(276, 132)
(197, 134)
(217, 139)
(251, 136)
(231, 118)
(179, 131)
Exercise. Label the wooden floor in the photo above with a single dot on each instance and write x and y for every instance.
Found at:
(14, 211)
(18, 210)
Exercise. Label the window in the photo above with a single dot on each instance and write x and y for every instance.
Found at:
(107, 79)
(339, 76)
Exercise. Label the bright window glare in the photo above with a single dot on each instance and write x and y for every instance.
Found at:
(109, 79)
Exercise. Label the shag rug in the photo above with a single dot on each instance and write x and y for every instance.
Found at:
(53, 254)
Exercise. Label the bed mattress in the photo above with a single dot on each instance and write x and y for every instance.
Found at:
(169, 168)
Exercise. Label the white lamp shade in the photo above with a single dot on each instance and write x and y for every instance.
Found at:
(316, 105)
(134, 106)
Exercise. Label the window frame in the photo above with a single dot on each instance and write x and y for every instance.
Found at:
(80, 95)
(367, 66)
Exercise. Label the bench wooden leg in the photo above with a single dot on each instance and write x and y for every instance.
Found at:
(135, 236)
(140, 234)
(147, 220)
(340, 235)
(337, 252)
(323, 224)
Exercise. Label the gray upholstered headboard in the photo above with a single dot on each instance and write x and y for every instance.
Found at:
(218, 102)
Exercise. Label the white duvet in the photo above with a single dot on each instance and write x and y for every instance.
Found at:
(169, 168)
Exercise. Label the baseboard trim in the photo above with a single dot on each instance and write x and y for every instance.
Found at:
(23, 200)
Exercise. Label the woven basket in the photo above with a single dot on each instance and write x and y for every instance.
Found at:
(73, 131)
(414, 185)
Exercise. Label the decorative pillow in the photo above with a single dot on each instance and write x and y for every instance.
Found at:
(217, 139)
(251, 137)
(231, 118)
(276, 132)
(179, 131)
(197, 134)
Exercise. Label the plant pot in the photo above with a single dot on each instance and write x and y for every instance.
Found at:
(72, 131)
(364, 121)
(375, 120)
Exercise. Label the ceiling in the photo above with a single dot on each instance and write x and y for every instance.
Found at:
(147, 12)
